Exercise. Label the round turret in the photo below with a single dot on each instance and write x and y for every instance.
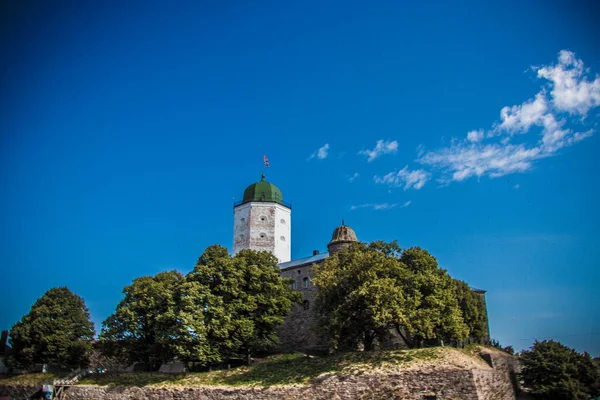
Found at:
(263, 191)
(343, 236)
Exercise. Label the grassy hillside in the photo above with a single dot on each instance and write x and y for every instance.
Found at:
(36, 379)
(298, 369)
(286, 369)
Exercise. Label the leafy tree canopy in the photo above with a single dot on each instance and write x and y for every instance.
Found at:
(142, 327)
(247, 300)
(56, 331)
(227, 306)
(472, 306)
(367, 290)
(554, 371)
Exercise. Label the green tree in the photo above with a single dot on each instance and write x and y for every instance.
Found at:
(360, 294)
(438, 314)
(56, 331)
(205, 320)
(554, 371)
(366, 291)
(144, 324)
(472, 306)
(243, 300)
(265, 299)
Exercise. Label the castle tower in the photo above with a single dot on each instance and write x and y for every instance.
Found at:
(343, 236)
(262, 221)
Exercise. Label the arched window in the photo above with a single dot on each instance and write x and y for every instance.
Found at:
(282, 221)
(305, 282)
(282, 238)
(305, 305)
(293, 285)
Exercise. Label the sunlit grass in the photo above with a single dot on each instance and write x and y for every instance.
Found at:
(281, 369)
(284, 369)
(28, 379)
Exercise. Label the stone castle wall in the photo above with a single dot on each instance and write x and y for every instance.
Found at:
(298, 332)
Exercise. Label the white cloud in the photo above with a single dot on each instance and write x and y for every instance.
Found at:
(571, 89)
(518, 119)
(321, 153)
(353, 177)
(379, 207)
(493, 154)
(405, 177)
(517, 186)
(463, 161)
(473, 136)
(376, 207)
(382, 147)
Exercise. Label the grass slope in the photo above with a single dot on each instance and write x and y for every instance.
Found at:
(287, 369)
(36, 379)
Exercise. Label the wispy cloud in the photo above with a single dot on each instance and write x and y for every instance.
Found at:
(567, 92)
(475, 136)
(406, 178)
(353, 177)
(517, 186)
(380, 207)
(382, 147)
(376, 207)
(321, 153)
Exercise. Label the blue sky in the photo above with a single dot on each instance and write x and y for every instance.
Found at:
(469, 129)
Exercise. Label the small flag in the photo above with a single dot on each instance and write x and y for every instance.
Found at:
(266, 161)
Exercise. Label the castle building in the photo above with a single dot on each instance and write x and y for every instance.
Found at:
(262, 221)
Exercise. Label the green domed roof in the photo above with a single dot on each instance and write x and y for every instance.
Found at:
(263, 191)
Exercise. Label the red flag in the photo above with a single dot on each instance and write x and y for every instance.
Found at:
(266, 161)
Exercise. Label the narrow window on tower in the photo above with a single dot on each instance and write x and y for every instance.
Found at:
(293, 285)
(306, 305)
(305, 281)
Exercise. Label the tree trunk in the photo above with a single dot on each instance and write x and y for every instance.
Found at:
(248, 357)
(409, 343)
(368, 342)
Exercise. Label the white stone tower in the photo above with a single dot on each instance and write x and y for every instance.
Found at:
(262, 221)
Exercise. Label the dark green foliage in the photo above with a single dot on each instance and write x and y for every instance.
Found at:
(246, 300)
(142, 327)
(226, 307)
(57, 331)
(437, 314)
(472, 306)
(366, 291)
(554, 371)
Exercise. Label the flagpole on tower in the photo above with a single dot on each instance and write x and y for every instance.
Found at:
(265, 164)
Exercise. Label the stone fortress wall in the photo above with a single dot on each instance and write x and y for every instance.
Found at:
(298, 331)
